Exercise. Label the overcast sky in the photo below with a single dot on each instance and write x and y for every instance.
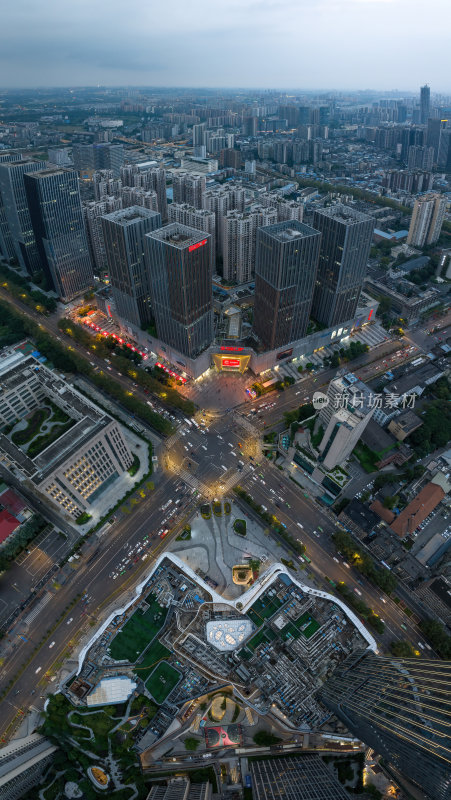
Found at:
(306, 44)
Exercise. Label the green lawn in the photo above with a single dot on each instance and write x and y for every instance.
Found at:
(263, 635)
(136, 634)
(294, 628)
(266, 606)
(152, 656)
(162, 681)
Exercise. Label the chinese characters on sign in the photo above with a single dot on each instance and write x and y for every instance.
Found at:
(373, 400)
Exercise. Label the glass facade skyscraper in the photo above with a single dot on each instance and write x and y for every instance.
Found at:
(401, 708)
(285, 272)
(345, 245)
(295, 777)
(123, 233)
(17, 214)
(56, 216)
(179, 263)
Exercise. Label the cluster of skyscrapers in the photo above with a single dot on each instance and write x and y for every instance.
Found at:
(163, 275)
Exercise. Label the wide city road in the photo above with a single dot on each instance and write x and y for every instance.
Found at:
(289, 503)
(93, 579)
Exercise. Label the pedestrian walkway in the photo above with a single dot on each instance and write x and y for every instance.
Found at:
(37, 609)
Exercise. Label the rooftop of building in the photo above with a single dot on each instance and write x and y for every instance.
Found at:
(408, 421)
(382, 512)
(89, 419)
(127, 216)
(442, 589)
(47, 172)
(361, 515)
(418, 509)
(180, 236)
(344, 214)
(290, 230)
(425, 374)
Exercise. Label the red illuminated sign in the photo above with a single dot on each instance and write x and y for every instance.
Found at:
(196, 246)
(232, 349)
(170, 372)
(231, 362)
(370, 314)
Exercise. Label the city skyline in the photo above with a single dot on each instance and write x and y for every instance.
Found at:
(76, 44)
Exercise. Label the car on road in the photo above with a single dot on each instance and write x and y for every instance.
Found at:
(37, 670)
(69, 621)
(52, 645)
(357, 591)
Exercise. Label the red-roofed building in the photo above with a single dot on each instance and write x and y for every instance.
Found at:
(382, 512)
(12, 501)
(418, 509)
(8, 525)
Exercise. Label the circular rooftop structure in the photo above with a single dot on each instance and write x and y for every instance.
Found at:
(228, 634)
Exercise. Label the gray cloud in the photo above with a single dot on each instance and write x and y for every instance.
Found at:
(267, 43)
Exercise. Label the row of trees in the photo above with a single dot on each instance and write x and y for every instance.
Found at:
(361, 607)
(436, 429)
(271, 520)
(20, 540)
(21, 288)
(122, 362)
(381, 577)
(354, 350)
(438, 637)
(68, 361)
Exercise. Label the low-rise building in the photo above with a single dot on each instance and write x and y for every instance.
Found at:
(404, 425)
(76, 455)
(436, 594)
(359, 519)
(418, 509)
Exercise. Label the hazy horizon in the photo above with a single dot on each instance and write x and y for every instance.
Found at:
(265, 44)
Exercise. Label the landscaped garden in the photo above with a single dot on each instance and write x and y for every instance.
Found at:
(42, 427)
(136, 634)
(239, 526)
(263, 635)
(162, 681)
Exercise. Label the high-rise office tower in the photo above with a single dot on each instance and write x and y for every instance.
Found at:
(399, 707)
(435, 126)
(294, 777)
(444, 150)
(57, 219)
(92, 215)
(15, 205)
(425, 104)
(285, 272)
(124, 234)
(189, 188)
(179, 264)
(345, 246)
(198, 218)
(239, 241)
(427, 219)
(6, 241)
(102, 155)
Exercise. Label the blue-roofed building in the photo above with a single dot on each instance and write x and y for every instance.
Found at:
(392, 236)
